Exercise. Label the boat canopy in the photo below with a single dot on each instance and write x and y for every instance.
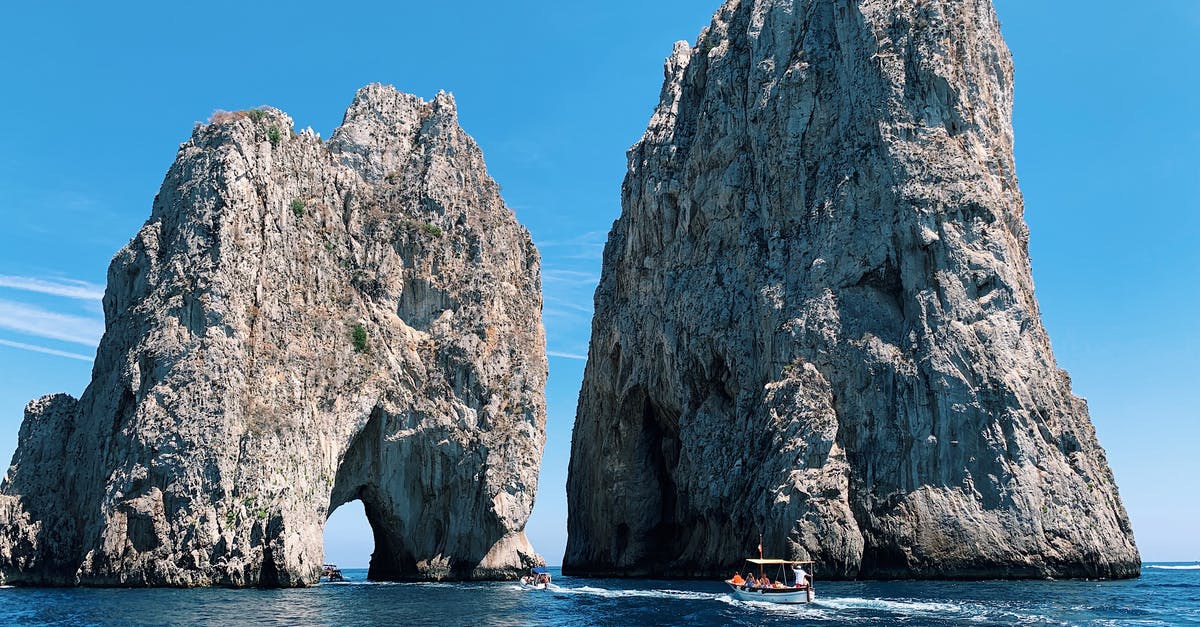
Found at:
(755, 560)
(540, 570)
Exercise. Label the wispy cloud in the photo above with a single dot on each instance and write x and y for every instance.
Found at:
(555, 302)
(67, 288)
(567, 295)
(43, 349)
(589, 245)
(33, 320)
(569, 277)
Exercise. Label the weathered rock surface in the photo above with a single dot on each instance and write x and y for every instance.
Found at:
(816, 319)
(232, 408)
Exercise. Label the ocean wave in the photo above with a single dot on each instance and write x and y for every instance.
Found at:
(1173, 567)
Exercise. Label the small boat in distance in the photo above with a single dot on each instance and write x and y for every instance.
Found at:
(330, 572)
(538, 577)
(778, 590)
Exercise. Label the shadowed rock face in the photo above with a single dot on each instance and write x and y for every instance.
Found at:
(232, 408)
(816, 318)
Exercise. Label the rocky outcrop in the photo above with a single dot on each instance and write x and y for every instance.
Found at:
(299, 324)
(816, 319)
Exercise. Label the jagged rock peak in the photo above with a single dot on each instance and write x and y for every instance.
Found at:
(816, 318)
(299, 324)
(382, 126)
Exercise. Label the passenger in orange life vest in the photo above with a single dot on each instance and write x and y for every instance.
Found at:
(737, 579)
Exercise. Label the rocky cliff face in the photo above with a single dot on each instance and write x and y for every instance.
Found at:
(299, 324)
(816, 319)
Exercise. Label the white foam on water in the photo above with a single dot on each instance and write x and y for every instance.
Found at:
(532, 588)
(1126, 622)
(918, 608)
(643, 594)
(843, 609)
(899, 606)
(797, 610)
(1165, 567)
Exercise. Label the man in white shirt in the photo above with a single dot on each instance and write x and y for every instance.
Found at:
(801, 576)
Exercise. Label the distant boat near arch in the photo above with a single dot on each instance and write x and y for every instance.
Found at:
(331, 573)
(538, 577)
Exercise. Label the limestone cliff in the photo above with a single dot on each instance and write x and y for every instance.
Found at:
(816, 319)
(299, 324)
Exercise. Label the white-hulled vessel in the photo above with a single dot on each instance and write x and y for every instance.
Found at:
(780, 591)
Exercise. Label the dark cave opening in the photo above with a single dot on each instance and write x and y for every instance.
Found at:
(660, 453)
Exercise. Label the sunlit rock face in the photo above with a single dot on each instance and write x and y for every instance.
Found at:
(299, 324)
(816, 320)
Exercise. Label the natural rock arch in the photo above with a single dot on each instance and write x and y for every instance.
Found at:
(420, 512)
(299, 323)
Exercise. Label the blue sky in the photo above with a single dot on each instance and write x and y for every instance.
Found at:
(97, 99)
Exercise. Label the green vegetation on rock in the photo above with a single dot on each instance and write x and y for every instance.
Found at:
(359, 336)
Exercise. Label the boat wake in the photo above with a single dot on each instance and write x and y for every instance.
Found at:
(642, 594)
(842, 609)
(1174, 567)
(856, 609)
(899, 606)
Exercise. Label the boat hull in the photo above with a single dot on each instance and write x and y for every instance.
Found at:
(773, 595)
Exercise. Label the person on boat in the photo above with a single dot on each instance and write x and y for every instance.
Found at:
(737, 579)
(764, 581)
(801, 576)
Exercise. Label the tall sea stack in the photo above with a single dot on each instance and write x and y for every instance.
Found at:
(816, 319)
(299, 324)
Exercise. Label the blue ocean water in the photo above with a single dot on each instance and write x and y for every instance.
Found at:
(1166, 594)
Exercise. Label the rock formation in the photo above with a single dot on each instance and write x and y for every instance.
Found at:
(299, 324)
(816, 319)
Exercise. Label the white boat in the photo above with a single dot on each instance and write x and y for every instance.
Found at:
(780, 590)
(330, 572)
(538, 579)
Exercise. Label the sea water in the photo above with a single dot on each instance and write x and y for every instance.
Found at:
(1166, 594)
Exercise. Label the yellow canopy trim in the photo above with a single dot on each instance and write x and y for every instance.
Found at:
(755, 560)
